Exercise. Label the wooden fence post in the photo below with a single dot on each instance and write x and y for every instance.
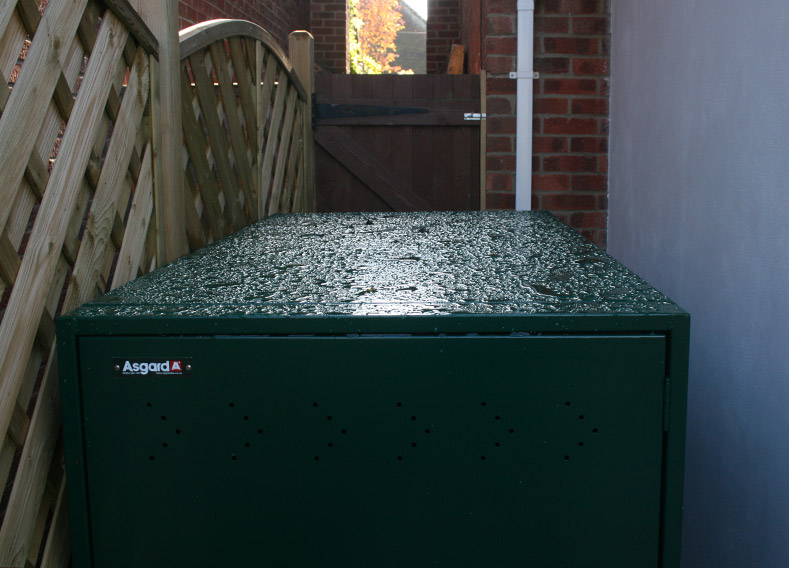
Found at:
(162, 17)
(302, 54)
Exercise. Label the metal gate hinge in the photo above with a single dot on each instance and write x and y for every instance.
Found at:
(519, 75)
(474, 116)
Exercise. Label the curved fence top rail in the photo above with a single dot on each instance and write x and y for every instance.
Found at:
(200, 36)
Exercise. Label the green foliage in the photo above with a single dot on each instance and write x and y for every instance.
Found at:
(361, 64)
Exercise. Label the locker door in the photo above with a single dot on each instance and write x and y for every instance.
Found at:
(376, 451)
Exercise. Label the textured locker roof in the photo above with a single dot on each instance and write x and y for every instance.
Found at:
(501, 262)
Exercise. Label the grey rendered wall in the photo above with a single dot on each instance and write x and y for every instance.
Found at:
(699, 206)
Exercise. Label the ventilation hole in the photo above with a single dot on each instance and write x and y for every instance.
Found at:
(413, 444)
(330, 445)
(567, 403)
(483, 458)
(512, 430)
(246, 444)
(497, 444)
(231, 404)
(399, 458)
(427, 430)
(233, 457)
(399, 404)
(177, 431)
(595, 430)
(484, 404)
(151, 458)
(164, 418)
(413, 418)
(344, 431)
(164, 444)
(580, 417)
(315, 405)
(148, 404)
(246, 418)
(566, 458)
(497, 418)
(580, 444)
(260, 430)
(328, 418)
(316, 458)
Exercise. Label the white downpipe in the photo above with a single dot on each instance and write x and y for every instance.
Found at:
(525, 77)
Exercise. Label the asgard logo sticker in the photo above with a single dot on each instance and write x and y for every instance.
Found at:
(151, 366)
(143, 368)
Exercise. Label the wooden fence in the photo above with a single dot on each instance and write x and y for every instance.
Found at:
(79, 185)
(246, 120)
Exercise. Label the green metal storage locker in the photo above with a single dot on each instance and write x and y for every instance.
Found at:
(389, 390)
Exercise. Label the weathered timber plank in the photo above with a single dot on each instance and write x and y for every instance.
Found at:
(57, 549)
(302, 51)
(256, 50)
(98, 231)
(195, 235)
(282, 153)
(11, 44)
(19, 427)
(17, 331)
(371, 171)
(31, 96)
(441, 171)
(162, 19)
(39, 528)
(37, 174)
(430, 118)
(422, 162)
(264, 108)
(9, 261)
(196, 145)
(135, 25)
(217, 138)
(464, 190)
(245, 88)
(272, 141)
(131, 255)
(50, 127)
(402, 159)
(483, 140)
(465, 104)
(6, 13)
(237, 139)
(247, 92)
(24, 502)
(301, 196)
(295, 157)
(7, 452)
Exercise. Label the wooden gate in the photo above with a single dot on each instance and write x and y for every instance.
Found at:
(397, 142)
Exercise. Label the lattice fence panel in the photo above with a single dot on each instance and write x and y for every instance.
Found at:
(76, 203)
(244, 113)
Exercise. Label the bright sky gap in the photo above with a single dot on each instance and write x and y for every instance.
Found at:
(418, 5)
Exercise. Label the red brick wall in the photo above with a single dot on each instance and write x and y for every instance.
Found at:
(570, 165)
(329, 26)
(278, 17)
(443, 29)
